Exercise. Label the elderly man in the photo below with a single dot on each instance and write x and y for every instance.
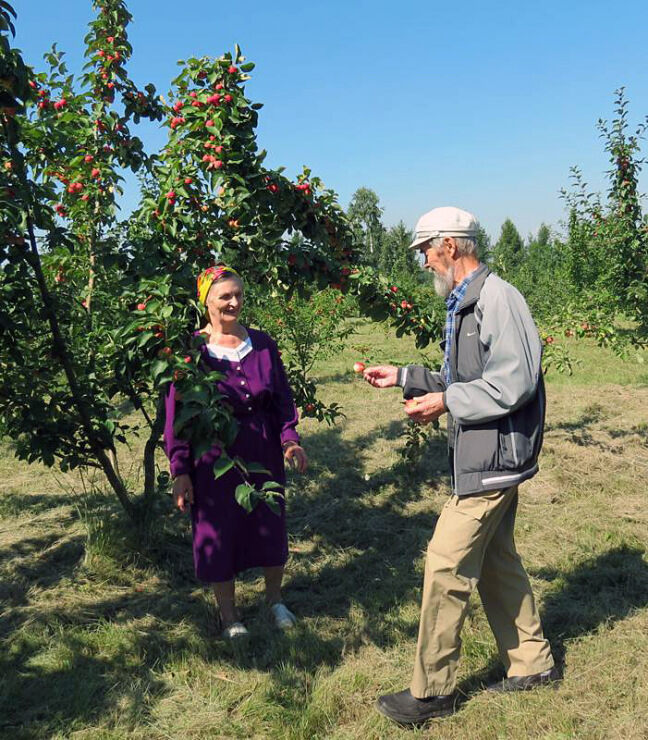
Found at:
(491, 386)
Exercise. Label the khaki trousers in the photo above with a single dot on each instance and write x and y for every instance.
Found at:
(473, 545)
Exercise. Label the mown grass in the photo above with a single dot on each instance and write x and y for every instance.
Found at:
(111, 641)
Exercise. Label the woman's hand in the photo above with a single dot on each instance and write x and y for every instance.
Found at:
(183, 492)
(295, 456)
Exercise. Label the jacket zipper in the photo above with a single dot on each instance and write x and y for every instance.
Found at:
(454, 457)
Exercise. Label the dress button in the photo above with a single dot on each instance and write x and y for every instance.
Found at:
(242, 382)
(249, 408)
(247, 395)
(239, 367)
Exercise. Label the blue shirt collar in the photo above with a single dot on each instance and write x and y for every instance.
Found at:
(459, 291)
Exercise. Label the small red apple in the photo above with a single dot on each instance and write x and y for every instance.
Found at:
(358, 367)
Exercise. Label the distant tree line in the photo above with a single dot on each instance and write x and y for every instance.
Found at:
(593, 276)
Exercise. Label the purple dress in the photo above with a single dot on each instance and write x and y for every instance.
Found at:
(226, 539)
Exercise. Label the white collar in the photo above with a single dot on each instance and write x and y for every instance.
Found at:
(230, 353)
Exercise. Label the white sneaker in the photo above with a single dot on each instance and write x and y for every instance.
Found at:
(234, 631)
(284, 618)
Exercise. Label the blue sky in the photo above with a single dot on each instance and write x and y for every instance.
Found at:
(482, 105)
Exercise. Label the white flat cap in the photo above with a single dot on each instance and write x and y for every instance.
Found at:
(444, 221)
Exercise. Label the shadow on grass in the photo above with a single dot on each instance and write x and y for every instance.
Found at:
(599, 591)
(66, 665)
(593, 414)
(67, 662)
(368, 540)
(15, 503)
(579, 431)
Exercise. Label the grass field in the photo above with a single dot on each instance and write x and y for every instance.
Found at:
(105, 642)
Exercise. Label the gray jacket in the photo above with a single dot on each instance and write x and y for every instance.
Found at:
(495, 399)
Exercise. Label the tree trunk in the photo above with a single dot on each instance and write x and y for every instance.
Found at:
(81, 406)
(150, 447)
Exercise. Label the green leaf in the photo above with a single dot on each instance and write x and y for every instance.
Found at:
(272, 485)
(256, 468)
(159, 366)
(243, 495)
(222, 465)
(273, 505)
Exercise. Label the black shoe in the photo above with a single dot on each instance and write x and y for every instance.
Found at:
(408, 710)
(526, 683)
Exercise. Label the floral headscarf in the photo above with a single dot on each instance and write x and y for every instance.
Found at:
(210, 276)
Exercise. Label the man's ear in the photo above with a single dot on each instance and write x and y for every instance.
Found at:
(450, 246)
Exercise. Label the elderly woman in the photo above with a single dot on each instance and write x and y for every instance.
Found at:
(226, 539)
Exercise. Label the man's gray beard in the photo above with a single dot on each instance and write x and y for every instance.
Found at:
(443, 284)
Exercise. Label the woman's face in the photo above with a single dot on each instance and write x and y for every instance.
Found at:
(225, 300)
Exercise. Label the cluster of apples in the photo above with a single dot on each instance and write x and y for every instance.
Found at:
(105, 60)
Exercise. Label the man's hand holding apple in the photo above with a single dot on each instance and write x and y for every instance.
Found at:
(425, 409)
